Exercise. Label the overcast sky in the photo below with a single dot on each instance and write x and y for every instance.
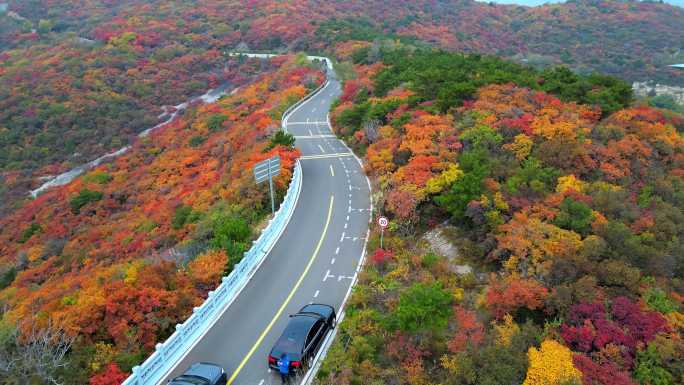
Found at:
(539, 2)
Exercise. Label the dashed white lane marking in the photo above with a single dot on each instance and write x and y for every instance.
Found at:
(345, 225)
(347, 218)
(328, 275)
(342, 237)
(310, 133)
(315, 296)
(332, 172)
(262, 380)
(321, 148)
(337, 250)
(354, 239)
(332, 261)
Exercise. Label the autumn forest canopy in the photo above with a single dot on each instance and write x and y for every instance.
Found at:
(510, 133)
(564, 200)
(81, 78)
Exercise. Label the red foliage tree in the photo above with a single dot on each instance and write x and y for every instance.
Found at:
(470, 331)
(506, 297)
(111, 375)
(606, 373)
(380, 256)
(626, 327)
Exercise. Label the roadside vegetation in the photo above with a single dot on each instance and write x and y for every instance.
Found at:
(106, 266)
(564, 201)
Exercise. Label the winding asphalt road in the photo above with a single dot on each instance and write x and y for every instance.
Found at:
(314, 260)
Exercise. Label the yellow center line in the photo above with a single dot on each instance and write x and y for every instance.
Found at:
(287, 300)
(332, 172)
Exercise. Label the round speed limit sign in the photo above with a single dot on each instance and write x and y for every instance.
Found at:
(383, 222)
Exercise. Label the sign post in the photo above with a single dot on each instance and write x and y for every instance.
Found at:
(383, 222)
(267, 169)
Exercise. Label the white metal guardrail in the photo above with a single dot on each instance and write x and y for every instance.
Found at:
(167, 354)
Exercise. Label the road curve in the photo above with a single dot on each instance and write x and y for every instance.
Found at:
(314, 260)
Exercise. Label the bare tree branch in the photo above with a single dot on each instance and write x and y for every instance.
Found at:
(371, 128)
(39, 352)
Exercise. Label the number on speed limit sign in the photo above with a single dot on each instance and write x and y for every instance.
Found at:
(383, 222)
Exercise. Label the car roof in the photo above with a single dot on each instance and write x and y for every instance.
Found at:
(318, 308)
(207, 370)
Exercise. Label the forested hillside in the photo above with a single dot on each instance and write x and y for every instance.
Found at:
(562, 195)
(121, 255)
(566, 205)
(80, 78)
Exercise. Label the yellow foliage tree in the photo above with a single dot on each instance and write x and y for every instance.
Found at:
(104, 354)
(506, 330)
(439, 182)
(533, 244)
(551, 364)
(521, 146)
(569, 182)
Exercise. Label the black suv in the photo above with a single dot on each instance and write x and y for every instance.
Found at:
(202, 373)
(303, 335)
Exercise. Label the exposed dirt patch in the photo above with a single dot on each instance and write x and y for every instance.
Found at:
(439, 241)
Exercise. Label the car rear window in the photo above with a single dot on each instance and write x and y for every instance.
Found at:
(291, 346)
(292, 340)
(189, 380)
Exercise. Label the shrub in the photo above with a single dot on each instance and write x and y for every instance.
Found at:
(84, 197)
(574, 215)
(215, 122)
(230, 233)
(380, 256)
(183, 215)
(99, 177)
(29, 231)
(7, 277)
(649, 368)
(281, 138)
(196, 141)
(422, 307)
(657, 300)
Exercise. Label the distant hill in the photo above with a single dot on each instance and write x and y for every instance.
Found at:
(534, 3)
(81, 78)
